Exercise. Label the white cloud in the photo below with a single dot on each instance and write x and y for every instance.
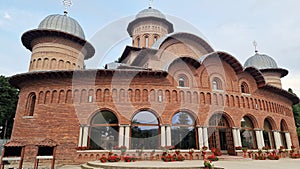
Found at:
(7, 16)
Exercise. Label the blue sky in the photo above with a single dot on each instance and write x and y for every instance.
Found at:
(229, 26)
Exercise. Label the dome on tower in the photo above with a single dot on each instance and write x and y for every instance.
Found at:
(62, 23)
(261, 61)
(150, 12)
(61, 26)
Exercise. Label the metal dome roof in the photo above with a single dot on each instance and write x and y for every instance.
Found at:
(62, 23)
(150, 12)
(261, 61)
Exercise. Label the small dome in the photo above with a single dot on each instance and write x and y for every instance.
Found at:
(261, 61)
(62, 23)
(150, 12)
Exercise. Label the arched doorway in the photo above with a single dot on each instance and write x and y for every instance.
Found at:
(104, 129)
(184, 135)
(144, 131)
(220, 134)
(268, 134)
(247, 133)
(283, 130)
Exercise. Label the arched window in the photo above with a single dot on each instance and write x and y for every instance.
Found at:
(147, 41)
(283, 130)
(138, 42)
(30, 104)
(217, 84)
(183, 131)
(220, 133)
(268, 134)
(181, 82)
(104, 130)
(155, 38)
(244, 88)
(247, 133)
(144, 131)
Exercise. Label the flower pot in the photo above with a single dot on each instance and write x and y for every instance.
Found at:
(191, 157)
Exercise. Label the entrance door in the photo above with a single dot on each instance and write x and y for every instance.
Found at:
(223, 141)
(229, 141)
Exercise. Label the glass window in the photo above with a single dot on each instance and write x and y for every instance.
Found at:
(283, 130)
(268, 134)
(181, 82)
(138, 42)
(244, 88)
(183, 131)
(216, 84)
(247, 133)
(145, 131)
(104, 131)
(31, 104)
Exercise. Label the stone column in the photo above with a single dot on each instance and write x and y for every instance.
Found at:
(80, 136)
(277, 139)
(239, 139)
(235, 139)
(288, 140)
(200, 137)
(168, 134)
(205, 137)
(258, 138)
(127, 136)
(85, 136)
(262, 138)
(163, 136)
(121, 136)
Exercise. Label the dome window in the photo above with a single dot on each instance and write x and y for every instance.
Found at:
(181, 82)
(147, 41)
(217, 84)
(245, 88)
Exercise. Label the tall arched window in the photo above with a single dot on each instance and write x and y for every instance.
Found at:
(144, 131)
(31, 100)
(217, 84)
(244, 88)
(268, 134)
(220, 133)
(104, 129)
(247, 133)
(138, 42)
(183, 131)
(147, 41)
(283, 130)
(155, 38)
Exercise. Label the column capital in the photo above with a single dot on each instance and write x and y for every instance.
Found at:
(124, 125)
(199, 126)
(164, 125)
(275, 131)
(236, 128)
(258, 129)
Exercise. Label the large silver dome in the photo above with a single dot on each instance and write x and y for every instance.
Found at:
(62, 23)
(150, 12)
(261, 61)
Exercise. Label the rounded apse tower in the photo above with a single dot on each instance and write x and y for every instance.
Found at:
(57, 44)
(268, 66)
(148, 26)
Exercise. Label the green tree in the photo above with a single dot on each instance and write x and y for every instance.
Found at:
(296, 111)
(8, 104)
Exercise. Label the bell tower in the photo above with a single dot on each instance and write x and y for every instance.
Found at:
(148, 26)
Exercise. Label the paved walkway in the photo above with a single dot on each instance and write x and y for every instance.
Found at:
(247, 164)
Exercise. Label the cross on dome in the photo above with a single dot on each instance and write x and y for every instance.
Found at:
(255, 46)
(67, 4)
(150, 3)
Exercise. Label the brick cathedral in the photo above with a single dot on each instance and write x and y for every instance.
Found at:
(167, 89)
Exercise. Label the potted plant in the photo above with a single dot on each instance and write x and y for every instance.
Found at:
(129, 159)
(152, 154)
(204, 148)
(103, 159)
(244, 149)
(177, 152)
(250, 154)
(208, 164)
(191, 151)
(123, 149)
(212, 158)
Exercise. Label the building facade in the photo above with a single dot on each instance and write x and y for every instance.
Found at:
(167, 89)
